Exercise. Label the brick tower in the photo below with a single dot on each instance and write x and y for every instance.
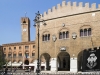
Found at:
(25, 29)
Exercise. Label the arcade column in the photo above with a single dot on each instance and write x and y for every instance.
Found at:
(73, 59)
(53, 64)
(73, 64)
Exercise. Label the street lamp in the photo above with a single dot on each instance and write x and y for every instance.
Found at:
(37, 23)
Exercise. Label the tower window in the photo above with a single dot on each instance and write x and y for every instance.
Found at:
(9, 48)
(19, 47)
(33, 54)
(60, 35)
(14, 55)
(14, 48)
(67, 34)
(81, 32)
(89, 31)
(9, 55)
(63, 35)
(33, 46)
(4, 49)
(46, 37)
(85, 32)
(26, 47)
(24, 21)
(20, 54)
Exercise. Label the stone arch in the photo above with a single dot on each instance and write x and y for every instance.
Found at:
(61, 30)
(19, 61)
(26, 62)
(14, 52)
(85, 26)
(33, 53)
(63, 61)
(9, 61)
(64, 28)
(14, 61)
(45, 35)
(45, 32)
(32, 60)
(79, 60)
(85, 30)
(20, 52)
(45, 58)
(26, 51)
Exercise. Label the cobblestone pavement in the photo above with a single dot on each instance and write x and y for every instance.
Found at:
(55, 74)
(22, 72)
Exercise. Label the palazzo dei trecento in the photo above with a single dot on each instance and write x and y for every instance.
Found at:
(69, 29)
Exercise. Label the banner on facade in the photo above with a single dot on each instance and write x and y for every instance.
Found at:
(91, 60)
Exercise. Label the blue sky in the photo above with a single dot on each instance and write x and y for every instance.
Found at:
(12, 10)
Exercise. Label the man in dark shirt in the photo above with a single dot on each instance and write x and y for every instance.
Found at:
(6, 69)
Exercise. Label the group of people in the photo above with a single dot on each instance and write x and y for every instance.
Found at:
(6, 70)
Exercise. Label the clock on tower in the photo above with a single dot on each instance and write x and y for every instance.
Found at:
(25, 28)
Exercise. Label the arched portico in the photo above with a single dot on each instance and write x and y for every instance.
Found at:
(26, 62)
(79, 61)
(88, 60)
(63, 61)
(45, 60)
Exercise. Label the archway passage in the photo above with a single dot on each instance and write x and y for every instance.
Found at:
(26, 62)
(63, 61)
(88, 60)
(45, 58)
(80, 59)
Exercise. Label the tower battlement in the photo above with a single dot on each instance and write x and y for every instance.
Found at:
(69, 8)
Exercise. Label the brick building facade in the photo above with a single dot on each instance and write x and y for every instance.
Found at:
(17, 54)
(21, 54)
(69, 29)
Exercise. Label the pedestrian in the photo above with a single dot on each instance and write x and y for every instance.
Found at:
(29, 69)
(14, 69)
(6, 70)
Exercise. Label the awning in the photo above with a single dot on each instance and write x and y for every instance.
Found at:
(30, 64)
(16, 64)
(13, 64)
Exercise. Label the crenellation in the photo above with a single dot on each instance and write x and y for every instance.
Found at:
(45, 13)
(87, 5)
(49, 11)
(72, 8)
(58, 6)
(69, 3)
(63, 3)
(98, 6)
(74, 4)
(80, 4)
(53, 8)
(93, 6)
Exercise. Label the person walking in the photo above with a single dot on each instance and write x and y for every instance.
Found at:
(15, 69)
(6, 70)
